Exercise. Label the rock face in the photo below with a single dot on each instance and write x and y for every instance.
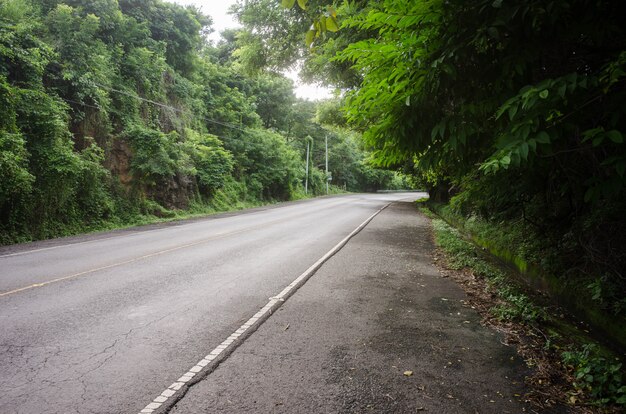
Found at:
(118, 161)
(171, 192)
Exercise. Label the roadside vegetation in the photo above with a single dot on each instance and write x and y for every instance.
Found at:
(568, 367)
(511, 113)
(116, 113)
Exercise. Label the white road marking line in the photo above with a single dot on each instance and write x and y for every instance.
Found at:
(157, 253)
(255, 321)
(135, 233)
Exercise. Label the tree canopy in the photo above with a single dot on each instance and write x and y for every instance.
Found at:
(511, 110)
(112, 110)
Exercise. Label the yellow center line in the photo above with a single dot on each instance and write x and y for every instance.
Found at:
(147, 256)
(133, 260)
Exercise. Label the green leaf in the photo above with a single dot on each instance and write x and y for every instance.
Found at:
(515, 158)
(598, 140)
(562, 90)
(462, 136)
(523, 150)
(302, 4)
(309, 37)
(543, 137)
(506, 160)
(434, 132)
(512, 112)
(288, 3)
(524, 131)
(322, 23)
(544, 94)
(591, 133)
(331, 24)
(615, 136)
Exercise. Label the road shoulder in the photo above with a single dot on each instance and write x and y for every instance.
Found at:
(376, 329)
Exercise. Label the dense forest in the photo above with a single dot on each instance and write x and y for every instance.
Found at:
(114, 111)
(511, 113)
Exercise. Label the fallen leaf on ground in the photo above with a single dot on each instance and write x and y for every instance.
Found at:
(408, 373)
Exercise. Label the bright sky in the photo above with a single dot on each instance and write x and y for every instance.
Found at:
(218, 10)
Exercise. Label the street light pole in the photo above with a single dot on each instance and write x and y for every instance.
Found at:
(306, 181)
(327, 164)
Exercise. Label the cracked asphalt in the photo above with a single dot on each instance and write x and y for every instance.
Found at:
(377, 329)
(103, 323)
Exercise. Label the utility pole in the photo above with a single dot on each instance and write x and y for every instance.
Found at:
(306, 181)
(327, 164)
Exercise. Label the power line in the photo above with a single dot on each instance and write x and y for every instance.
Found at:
(81, 103)
(162, 105)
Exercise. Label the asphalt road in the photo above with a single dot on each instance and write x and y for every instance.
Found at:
(378, 329)
(104, 323)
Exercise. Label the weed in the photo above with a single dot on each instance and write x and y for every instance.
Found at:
(518, 307)
(596, 375)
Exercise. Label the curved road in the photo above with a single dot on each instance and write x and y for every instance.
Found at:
(104, 323)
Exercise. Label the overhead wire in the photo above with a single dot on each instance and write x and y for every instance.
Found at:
(162, 105)
(81, 103)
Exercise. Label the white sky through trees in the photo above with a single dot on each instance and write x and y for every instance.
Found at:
(218, 10)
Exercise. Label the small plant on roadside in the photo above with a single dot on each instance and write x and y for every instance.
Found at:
(518, 307)
(595, 375)
(460, 252)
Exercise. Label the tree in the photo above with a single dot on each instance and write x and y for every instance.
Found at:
(518, 105)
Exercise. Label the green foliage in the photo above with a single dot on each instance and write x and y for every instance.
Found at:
(606, 293)
(272, 35)
(178, 28)
(213, 164)
(444, 81)
(15, 10)
(85, 61)
(274, 99)
(516, 109)
(155, 154)
(118, 112)
(93, 195)
(596, 375)
(461, 252)
(272, 168)
(278, 35)
(16, 179)
(515, 305)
